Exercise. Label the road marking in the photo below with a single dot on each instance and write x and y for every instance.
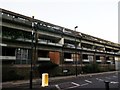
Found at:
(114, 76)
(114, 82)
(88, 81)
(57, 87)
(84, 84)
(99, 79)
(71, 87)
(75, 84)
(107, 77)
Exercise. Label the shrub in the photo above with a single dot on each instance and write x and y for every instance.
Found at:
(91, 68)
(9, 73)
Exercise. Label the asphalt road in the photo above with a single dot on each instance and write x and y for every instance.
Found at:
(89, 82)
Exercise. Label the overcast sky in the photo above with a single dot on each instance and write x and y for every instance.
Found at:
(98, 18)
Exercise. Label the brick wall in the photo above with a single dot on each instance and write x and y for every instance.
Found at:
(55, 57)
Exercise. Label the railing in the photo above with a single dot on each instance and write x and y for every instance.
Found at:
(8, 57)
(2, 44)
(88, 49)
(16, 19)
(49, 43)
(86, 60)
(100, 50)
(68, 60)
(110, 52)
(43, 59)
(69, 45)
(109, 61)
(98, 60)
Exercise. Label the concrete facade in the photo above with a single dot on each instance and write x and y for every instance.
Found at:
(52, 43)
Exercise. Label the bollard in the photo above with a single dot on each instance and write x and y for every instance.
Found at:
(44, 79)
(107, 85)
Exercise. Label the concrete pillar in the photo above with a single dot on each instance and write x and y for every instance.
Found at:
(91, 57)
(117, 63)
(61, 41)
(94, 58)
(79, 44)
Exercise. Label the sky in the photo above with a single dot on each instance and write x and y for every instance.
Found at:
(98, 18)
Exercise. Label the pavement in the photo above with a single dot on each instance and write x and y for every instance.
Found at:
(19, 83)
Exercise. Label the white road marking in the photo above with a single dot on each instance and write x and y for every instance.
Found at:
(114, 82)
(114, 76)
(88, 81)
(99, 79)
(84, 84)
(107, 77)
(75, 84)
(71, 87)
(57, 87)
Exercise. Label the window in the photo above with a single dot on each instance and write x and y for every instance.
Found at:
(85, 56)
(22, 56)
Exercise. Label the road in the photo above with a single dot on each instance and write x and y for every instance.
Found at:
(80, 83)
(89, 82)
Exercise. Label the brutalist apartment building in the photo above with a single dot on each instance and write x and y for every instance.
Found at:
(51, 48)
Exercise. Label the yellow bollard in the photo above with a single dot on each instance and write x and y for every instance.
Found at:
(44, 79)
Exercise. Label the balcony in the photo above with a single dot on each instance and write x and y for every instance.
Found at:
(69, 45)
(68, 60)
(2, 44)
(109, 61)
(86, 60)
(20, 39)
(43, 59)
(57, 44)
(18, 19)
(7, 57)
(99, 50)
(7, 17)
(88, 49)
(117, 53)
(49, 43)
(99, 61)
(42, 41)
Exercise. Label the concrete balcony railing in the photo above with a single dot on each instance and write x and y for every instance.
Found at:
(69, 45)
(88, 49)
(86, 60)
(49, 43)
(109, 61)
(12, 18)
(68, 60)
(5, 16)
(99, 61)
(2, 44)
(8, 57)
(57, 44)
(110, 52)
(99, 50)
(43, 59)
(42, 41)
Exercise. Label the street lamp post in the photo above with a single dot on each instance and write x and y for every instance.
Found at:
(62, 61)
(32, 46)
(75, 51)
